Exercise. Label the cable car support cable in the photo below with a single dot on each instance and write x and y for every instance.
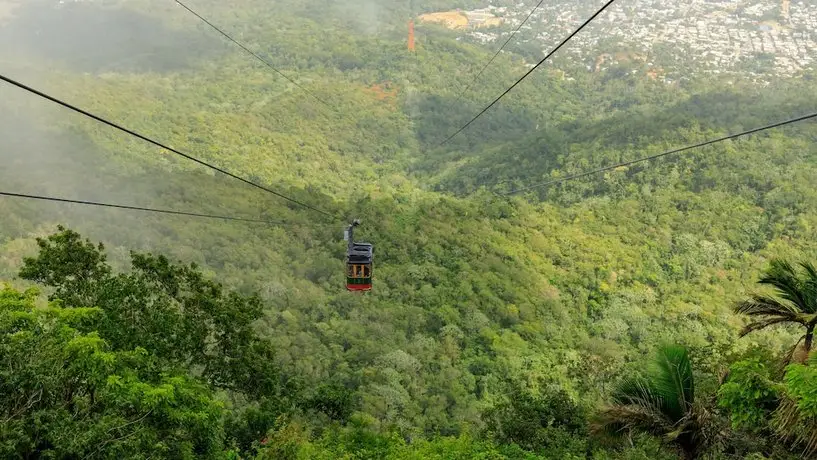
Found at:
(159, 144)
(253, 53)
(670, 152)
(513, 34)
(558, 47)
(139, 208)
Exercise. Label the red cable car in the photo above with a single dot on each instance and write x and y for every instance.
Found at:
(359, 258)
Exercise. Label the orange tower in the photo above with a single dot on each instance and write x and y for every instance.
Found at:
(411, 36)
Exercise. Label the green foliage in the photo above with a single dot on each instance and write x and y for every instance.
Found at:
(334, 400)
(763, 407)
(66, 394)
(749, 394)
(172, 311)
(662, 403)
(552, 422)
(796, 418)
(190, 331)
(359, 443)
(76, 269)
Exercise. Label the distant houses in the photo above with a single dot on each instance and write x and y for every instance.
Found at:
(715, 35)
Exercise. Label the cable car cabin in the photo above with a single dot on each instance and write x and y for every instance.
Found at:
(359, 267)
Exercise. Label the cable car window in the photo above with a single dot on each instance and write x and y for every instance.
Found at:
(350, 271)
(367, 271)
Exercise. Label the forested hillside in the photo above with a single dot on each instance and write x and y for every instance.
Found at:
(602, 318)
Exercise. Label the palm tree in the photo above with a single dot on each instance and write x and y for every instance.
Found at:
(661, 403)
(793, 419)
(794, 301)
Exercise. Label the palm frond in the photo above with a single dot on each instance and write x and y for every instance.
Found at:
(672, 380)
(669, 387)
(761, 305)
(661, 403)
(764, 323)
(701, 431)
(784, 278)
(809, 283)
(635, 391)
(636, 407)
(619, 420)
(790, 424)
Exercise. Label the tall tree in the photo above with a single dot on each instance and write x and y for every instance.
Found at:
(794, 300)
(796, 417)
(661, 403)
(170, 310)
(180, 318)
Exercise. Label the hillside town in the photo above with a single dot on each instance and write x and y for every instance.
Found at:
(716, 36)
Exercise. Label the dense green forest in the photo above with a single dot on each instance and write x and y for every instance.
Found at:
(660, 311)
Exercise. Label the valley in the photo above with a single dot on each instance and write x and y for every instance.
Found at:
(524, 326)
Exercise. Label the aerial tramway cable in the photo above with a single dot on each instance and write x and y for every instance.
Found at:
(559, 46)
(669, 152)
(487, 64)
(252, 53)
(139, 208)
(159, 144)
